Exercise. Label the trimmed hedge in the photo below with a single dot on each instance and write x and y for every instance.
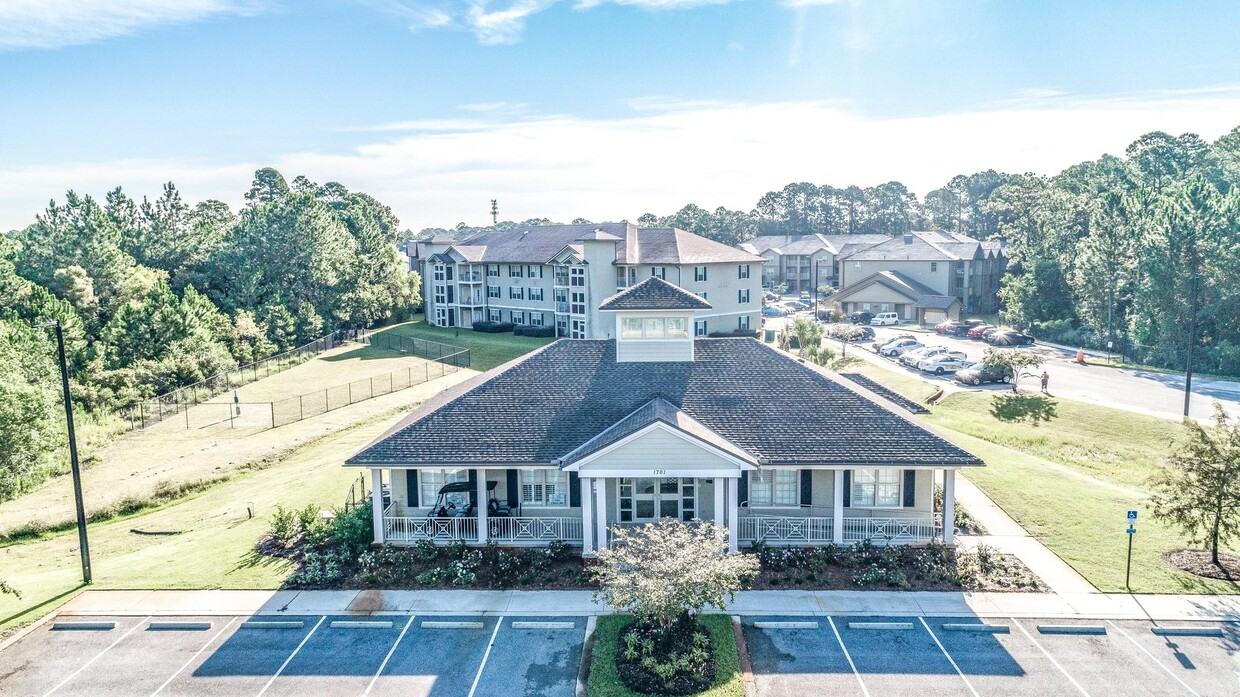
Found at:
(750, 333)
(533, 330)
(493, 327)
(605, 682)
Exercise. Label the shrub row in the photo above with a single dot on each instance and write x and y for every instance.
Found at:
(493, 327)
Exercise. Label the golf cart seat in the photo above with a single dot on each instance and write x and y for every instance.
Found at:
(444, 509)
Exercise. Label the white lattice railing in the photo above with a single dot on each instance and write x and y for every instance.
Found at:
(501, 530)
(820, 530)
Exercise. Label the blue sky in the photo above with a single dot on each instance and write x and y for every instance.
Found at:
(598, 108)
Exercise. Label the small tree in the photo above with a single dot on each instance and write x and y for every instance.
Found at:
(1198, 488)
(663, 572)
(1015, 360)
(807, 332)
(845, 333)
(6, 589)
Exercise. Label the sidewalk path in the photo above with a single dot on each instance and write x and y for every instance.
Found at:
(578, 603)
(1006, 535)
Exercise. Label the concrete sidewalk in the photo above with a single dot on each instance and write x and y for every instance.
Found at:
(563, 603)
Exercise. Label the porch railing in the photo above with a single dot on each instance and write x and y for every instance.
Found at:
(820, 530)
(500, 530)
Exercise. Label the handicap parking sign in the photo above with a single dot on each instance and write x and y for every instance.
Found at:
(1132, 519)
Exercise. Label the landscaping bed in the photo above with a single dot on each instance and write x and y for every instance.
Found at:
(1199, 563)
(615, 662)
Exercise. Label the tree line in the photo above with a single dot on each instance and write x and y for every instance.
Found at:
(158, 294)
(1139, 251)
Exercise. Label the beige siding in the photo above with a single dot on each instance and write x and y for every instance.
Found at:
(638, 350)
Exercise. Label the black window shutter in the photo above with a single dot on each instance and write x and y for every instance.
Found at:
(910, 488)
(411, 488)
(742, 488)
(574, 490)
(473, 488)
(514, 489)
(807, 487)
(847, 488)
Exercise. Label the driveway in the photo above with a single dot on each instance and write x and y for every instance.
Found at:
(1141, 391)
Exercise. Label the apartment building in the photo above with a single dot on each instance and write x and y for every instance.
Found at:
(556, 275)
(804, 262)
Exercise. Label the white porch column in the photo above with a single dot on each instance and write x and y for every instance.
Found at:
(837, 508)
(482, 506)
(376, 502)
(733, 518)
(600, 511)
(587, 516)
(717, 503)
(949, 505)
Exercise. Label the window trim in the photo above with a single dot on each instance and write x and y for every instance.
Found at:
(427, 501)
(755, 484)
(899, 484)
(742, 271)
(699, 274)
(542, 475)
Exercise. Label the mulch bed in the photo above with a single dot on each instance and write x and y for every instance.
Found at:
(635, 676)
(1200, 563)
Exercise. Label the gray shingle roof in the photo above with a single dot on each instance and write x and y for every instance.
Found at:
(657, 410)
(924, 245)
(544, 406)
(937, 302)
(538, 243)
(809, 244)
(673, 246)
(908, 287)
(655, 293)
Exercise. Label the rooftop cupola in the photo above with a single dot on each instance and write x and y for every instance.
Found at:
(654, 321)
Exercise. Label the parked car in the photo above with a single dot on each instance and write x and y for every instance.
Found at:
(948, 327)
(805, 295)
(912, 358)
(963, 328)
(977, 374)
(772, 311)
(1011, 338)
(944, 363)
(878, 345)
(883, 319)
(861, 317)
(977, 331)
(896, 348)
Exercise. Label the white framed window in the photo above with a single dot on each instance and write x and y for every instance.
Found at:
(518, 317)
(775, 488)
(677, 328)
(703, 295)
(877, 488)
(514, 271)
(578, 305)
(534, 271)
(493, 270)
(439, 272)
(699, 327)
(699, 273)
(495, 315)
(742, 271)
(577, 276)
(742, 296)
(441, 294)
(492, 291)
(578, 329)
(934, 267)
(742, 322)
(631, 328)
(441, 316)
(536, 319)
(660, 271)
(516, 293)
(536, 293)
(430, 482)
(544, 488)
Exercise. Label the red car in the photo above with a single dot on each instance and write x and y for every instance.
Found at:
(979, 330)
(948, 327)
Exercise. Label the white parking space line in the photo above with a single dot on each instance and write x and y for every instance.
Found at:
(291, 656)
(97, 656)
(1049, 657)
(948, 656)
(1153, 658)
(195, 656)
(478, 676)
(388, 657)
(864, 690)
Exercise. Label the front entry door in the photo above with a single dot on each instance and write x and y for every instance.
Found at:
(648, 499)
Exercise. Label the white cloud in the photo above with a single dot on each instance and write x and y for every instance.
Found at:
(54, 23)
(656, 160)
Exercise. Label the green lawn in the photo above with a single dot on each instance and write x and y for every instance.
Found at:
(485, 350)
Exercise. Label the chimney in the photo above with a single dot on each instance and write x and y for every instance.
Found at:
(908, 238)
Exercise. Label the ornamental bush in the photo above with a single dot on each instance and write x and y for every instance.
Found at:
(664, 572)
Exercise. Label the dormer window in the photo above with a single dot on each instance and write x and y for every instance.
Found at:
(654, 328)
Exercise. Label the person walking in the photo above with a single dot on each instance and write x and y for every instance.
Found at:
(1046, 380)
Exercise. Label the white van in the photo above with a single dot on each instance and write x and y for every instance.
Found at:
(885, 318)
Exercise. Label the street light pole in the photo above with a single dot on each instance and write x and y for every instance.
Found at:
(816, 263)
(83, 547)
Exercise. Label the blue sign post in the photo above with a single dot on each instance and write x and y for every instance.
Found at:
(1132, 530)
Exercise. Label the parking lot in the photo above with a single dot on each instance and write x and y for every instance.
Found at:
(841, 655)
(298, 655)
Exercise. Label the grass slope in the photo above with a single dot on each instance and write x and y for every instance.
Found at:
(485, 350)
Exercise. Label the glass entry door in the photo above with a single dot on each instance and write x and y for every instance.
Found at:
(648, 499)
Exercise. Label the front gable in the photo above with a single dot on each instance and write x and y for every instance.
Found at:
(660, 450)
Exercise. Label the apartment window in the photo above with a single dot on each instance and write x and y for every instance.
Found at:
(742, 271)
(492, 291)
(620, 278)
(516, 293)
(534, 271)
(518, 317)
(877, 488)
(544, 488)
(439, 272)
(775, 488)
(578, 305)
(441, 294)
(742, 322)
(536, 293)
(431, 481)
(702, 295)
(448, 270)
(514, 271)
(579, 329)
(699, 273)
(577, 276)
(660, 271)
(495, 315)
(742, 296)
(493, 270)
(441, 316)
(536, 319)
(699, 327)
(934, 267)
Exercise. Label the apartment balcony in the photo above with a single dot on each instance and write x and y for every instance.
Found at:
(472, 300)
(470, 277)
(561, 307)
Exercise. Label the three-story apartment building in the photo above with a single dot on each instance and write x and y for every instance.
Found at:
(556, 275)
